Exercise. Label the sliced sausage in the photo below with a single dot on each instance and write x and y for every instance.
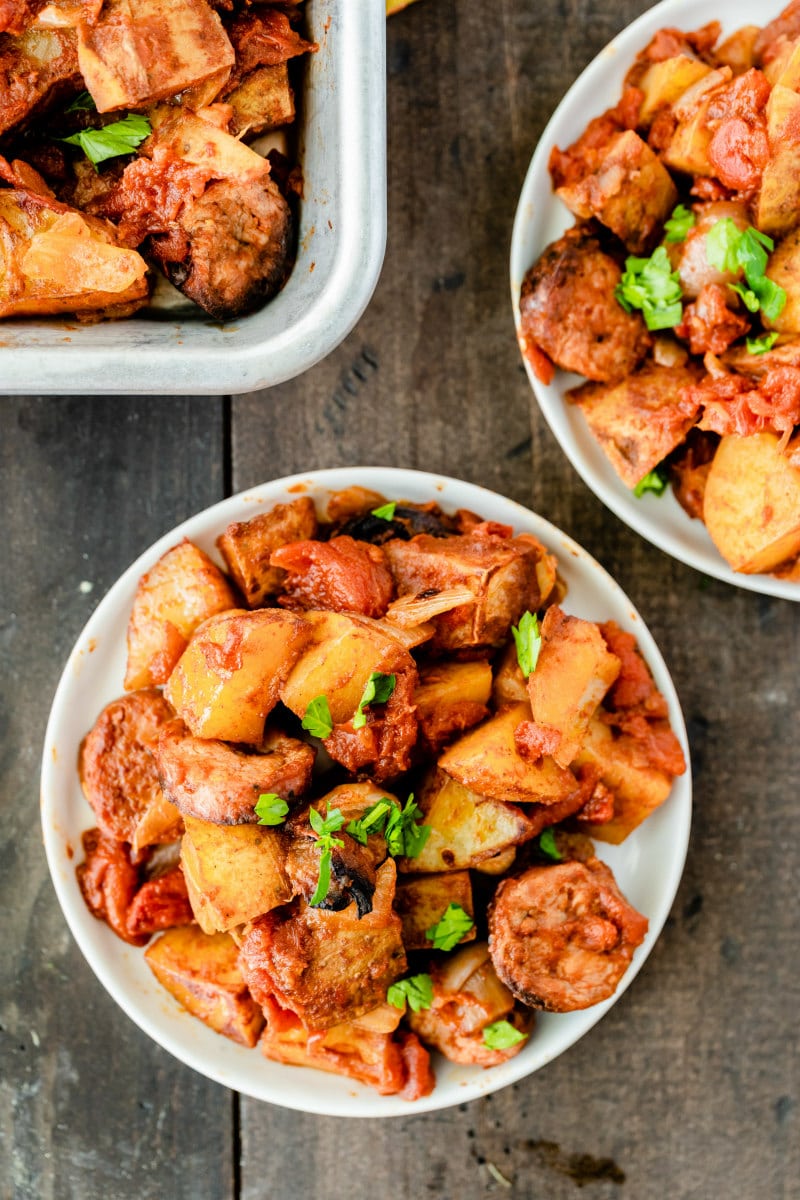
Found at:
(561, 937)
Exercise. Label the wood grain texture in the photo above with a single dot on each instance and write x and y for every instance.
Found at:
(89, 1106)
(688, 1088)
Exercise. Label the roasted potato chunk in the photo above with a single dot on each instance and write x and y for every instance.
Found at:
(777, 209)
(630, 192)
(263, 100)
(751, 505)
(229, 678)
(234, 873)
(247, 545)
(487, 761)
(450, 698)
(573, 674)
(664, 82)
(181, 591)
(466, 829)
(639, 421)
(201, 972)
(499, 571)
(34, 68)
(422, 900)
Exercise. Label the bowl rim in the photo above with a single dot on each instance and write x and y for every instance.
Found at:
(103, 951)
(641, 515)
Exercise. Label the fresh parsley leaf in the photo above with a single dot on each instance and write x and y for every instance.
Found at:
(373, 821)
(83, 102)
(318, 721)
(121, 137)
(377, 691)
(731, 249)
(529, 642)
(547, 844)
(416, 989)
(501, 1035)
(271, 809)
(760, 345)
(325, 827)
(650, 284)
(450, 928)
(654, 481)
(679, 224)
(403, 835)
(386, 511)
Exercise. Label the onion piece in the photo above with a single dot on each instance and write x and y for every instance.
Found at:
(414, 610)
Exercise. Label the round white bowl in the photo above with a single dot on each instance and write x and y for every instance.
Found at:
(541, 218)
(647, 866)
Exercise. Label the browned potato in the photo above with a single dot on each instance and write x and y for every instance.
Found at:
(233, 873)
(450, 697)
(738, 51)
(466, 829)
(202, 973)
(172, 599)
(229, 677)
(664, 82)
(784, 269)
(510, 686)
(422, 901)
(486, 760)
(573, 674)
(631, 192)
(262, 101)
(639, 421)
(752, 503)
(56, 260)
(688, 147)
(778, 205)
(116, 53)
(247, 545)
(638, 788)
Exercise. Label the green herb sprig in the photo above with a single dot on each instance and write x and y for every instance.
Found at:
(386, 511)
(654, 481)
(760, 345)
(417, 990)
(547, 844)
(271, 809)
(110, 141)
(731, 250)
(678, 225)
(528, 641)
(448, 931)
(650, 285)
(405, 837)
(501, 1035)
(325, 827)
(317, 720)
(378, 689)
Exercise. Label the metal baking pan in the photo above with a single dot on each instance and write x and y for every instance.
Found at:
(340, 248)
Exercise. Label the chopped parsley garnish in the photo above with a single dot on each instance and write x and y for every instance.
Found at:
(416, 989)
(450, 928)
(654, 481)
(271, 809)
(760, 345)
(650, 284)
(377, 691)
(529, 642)
(121, 137)
(547, 844)
(318, 721)
(731, 249)
(325, 827)
(501, 1035)
(679, 224)
(386, 511)
(83, 102)
(404, 837)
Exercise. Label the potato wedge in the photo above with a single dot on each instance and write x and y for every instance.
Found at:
(486, 760)
(451, 697)
(663, 82)
(777, 208)
(784, 269)
(181, 591)
(201, 971)
(422, 900)
(638, 788)
(752, 503)
(229, 677)
(233, 873)
(573, 674)
(247, 545)
(466, 829)
(263, 100)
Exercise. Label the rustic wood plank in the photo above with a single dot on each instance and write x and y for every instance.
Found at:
(688, 1084)
(90, 1106)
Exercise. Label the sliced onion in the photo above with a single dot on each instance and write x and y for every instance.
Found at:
(460, 966)
(414, 610)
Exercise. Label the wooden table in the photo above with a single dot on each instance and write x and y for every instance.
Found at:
(689, 1087)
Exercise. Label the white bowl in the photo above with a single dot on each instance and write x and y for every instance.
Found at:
(648, 865)
(340, 247)
(541, 218)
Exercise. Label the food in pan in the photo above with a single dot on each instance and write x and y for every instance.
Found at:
(124, 135)
(676, 292)
(351, 795)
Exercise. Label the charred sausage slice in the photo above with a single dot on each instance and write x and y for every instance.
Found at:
(561, 937)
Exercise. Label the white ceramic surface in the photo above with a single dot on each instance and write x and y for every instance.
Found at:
(341, 242)
(647, 866)
(541, 218)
